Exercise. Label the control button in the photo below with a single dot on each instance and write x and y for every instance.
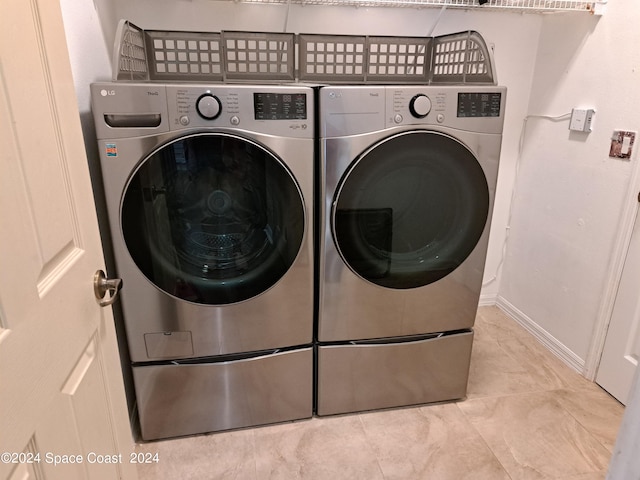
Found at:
(440, 118)
(398, 118)
(184, 120)
(234, 120)
(420, 106)
(208, 106)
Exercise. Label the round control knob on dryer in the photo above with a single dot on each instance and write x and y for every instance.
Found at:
(420, 106)
(208, 106)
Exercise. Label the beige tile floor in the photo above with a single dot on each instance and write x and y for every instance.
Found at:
(527, 416)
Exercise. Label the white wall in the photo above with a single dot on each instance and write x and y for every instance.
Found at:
(569, 194)
(90, 57)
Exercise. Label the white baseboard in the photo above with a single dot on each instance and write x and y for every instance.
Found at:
(488, 299)
(549, 341)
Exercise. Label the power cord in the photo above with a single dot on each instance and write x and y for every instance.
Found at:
(553, 118)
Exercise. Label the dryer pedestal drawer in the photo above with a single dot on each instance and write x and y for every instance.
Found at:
(191, 398)
(368, 376)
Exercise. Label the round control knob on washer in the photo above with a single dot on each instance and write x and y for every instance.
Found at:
(208, 106)
(420, 106)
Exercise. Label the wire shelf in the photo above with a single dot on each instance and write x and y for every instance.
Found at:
(518, 5)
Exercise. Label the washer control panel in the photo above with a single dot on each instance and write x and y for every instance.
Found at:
(279, 106)
(124, 110)
(208, 106)
(272, 109)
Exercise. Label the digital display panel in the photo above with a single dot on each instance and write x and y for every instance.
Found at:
(280, 106)
(479, 104)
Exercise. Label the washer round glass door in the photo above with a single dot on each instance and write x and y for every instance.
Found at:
(410, 209)
(213, 218)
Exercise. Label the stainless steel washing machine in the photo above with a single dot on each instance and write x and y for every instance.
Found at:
(209, 191)
(408, 183)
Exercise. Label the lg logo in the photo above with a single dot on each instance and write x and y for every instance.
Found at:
(107, 93)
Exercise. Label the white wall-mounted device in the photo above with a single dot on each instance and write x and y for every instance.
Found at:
(581, 119)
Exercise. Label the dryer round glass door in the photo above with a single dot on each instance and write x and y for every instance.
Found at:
(213, 218)
(410, 209)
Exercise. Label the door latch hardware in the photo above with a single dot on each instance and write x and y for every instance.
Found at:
(102, 285)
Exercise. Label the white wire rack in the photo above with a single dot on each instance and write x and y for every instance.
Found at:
(520, 5)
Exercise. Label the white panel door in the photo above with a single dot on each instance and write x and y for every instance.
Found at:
(622, 344)
(61, 397)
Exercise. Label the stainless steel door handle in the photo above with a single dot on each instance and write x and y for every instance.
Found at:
(102, 285)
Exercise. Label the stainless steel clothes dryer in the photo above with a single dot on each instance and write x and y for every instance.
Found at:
(209, 196)
(408, 181)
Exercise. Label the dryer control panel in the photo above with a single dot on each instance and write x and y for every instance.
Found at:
(474, 108)
(354, 110)
(479, 104)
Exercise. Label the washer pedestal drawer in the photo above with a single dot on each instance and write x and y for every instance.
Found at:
(367, 376)
(191, 398)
